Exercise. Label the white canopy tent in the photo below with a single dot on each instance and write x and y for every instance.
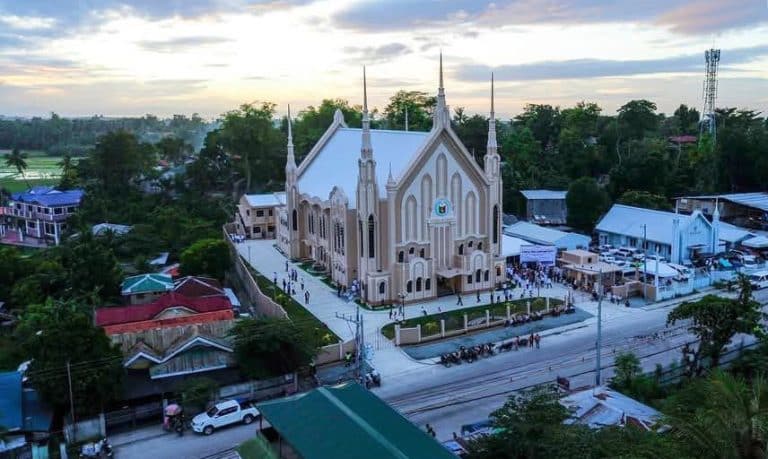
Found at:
(757, 242)
(664, 270)
(510, 246)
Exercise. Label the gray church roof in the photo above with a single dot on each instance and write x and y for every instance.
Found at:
(629, 221)
(336, 162)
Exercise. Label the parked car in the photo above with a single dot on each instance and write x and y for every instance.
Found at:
(223, 414)
(749, 262)
(759, 279)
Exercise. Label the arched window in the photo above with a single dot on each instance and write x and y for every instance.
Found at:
(469, 279)
(421, 253)
(400, 256)
(461, 249)
(498, 271)
(428, 284)
(496, 224)
(360, 231)
(418, 284)
(411, 250)
(469, 244)
(382, 288)
(295, 220)
(478, 273)
(486, 275)
(479, 246)
(371, 237)
(409, 287)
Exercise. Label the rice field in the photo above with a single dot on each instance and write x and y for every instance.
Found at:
(41, 170)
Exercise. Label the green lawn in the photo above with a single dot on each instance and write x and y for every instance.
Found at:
(13, 185)
(454, 320)
(298, 313)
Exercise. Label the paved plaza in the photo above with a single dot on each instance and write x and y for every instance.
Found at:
(382, 353)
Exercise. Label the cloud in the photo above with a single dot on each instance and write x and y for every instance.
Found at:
(707, 17)
(181, 44)
(684, 16)
(595, 68)
(375, 54)
(27, 22)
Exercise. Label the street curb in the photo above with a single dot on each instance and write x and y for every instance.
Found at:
(149, 437)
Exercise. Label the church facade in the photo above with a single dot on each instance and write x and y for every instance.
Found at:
(409, 215)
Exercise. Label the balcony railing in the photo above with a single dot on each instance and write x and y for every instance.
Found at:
(34, 215)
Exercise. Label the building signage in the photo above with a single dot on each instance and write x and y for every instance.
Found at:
(442, 207)
(543, 254)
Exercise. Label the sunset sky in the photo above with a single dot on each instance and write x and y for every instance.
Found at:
(122, 57)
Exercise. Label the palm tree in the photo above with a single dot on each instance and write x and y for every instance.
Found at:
(730, 423)
(17, 159)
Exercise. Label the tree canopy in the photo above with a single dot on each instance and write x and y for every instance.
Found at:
(209, 257)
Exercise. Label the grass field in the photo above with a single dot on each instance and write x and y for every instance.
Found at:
(41, 170)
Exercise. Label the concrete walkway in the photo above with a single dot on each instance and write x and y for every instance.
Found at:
(382, 354)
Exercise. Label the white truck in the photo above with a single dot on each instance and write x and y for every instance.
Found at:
(223, 414)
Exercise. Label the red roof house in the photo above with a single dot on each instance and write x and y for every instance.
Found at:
(198, 287)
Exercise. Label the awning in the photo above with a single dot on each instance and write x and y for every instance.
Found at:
(664, 270)
(757, 242)
(450, 272)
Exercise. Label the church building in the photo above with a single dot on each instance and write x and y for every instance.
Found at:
(408, 215)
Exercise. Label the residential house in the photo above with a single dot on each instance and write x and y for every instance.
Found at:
(674, 237)
(602, 407)
(198, 287)
(540, 235)
(257, 215)
(546, 207)
(40, 213)
(26, 420)
(145, 288)
(172, 336)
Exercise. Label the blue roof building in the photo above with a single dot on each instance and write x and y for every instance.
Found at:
(22, 413)
(38, 215)
(540, 235)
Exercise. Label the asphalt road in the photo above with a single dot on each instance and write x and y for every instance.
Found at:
(447, 398)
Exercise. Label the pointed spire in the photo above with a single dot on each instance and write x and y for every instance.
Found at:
(366, 150)
(492, 145)
(441, 115)
(290, 160)
(390, 179)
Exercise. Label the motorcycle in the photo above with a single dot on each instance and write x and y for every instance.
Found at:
(173, 421)
(97, 450)
(372, 378)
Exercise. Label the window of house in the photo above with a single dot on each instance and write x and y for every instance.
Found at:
(469, 279)
(371, 237)
(486, 275)
(418, 284)
(461, 249)
(382, 288)
(478, 273)
(295, 220)
(479, 246)
(271, 228)
(428, 284)
(400, 256)
(57, 210)
(270, 212)
(70, 210)
(259, 213)
(469, 244)
(421, 253)
(257, 229)
(46, 211)
(498, 271)
(495, 224)
(411, 250)
(409, 287)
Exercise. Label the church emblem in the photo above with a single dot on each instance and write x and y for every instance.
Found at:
(442, 207)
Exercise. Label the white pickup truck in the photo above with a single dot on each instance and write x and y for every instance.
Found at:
(224, 414)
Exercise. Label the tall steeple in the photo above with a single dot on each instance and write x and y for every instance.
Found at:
(290, 161)
(492, 145)
(366, 150)
(441, 115)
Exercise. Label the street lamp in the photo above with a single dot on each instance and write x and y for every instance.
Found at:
(645, 263)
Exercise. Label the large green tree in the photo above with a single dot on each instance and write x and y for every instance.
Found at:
(60, 336)
(586, 202)
(312, 122)
(644, 199)
(256, 145)
(419, 106)
(209, 257)
(716, 320)
(271, 347)
(17, 160)
(117, 161)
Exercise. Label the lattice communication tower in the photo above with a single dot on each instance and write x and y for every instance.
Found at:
(712, 58)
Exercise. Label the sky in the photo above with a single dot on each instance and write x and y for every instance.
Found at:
(132, 57)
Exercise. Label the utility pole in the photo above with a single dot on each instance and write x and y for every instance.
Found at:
(359, 344)
(71, 399)
(645, 263)
(599, 327)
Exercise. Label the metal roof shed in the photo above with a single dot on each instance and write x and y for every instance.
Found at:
(348, 422)
(540, 235)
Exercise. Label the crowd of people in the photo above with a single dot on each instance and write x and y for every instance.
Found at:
(289, 284)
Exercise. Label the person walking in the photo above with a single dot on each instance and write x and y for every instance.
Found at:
(530, 341)
(306, 297)
(302, 284)
(537, 337)
(478, 296)
(459, 302)
(286, 265)
(274, 278)
(423, 311)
